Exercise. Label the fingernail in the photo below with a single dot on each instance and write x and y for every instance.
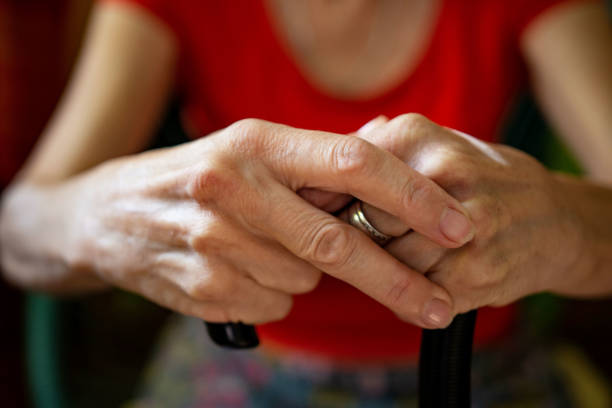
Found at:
(437, 313)
(456, 227)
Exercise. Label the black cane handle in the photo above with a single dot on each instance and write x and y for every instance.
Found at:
(445, 364)
(233, 335)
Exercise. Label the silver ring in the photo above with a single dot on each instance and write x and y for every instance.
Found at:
(357, 219)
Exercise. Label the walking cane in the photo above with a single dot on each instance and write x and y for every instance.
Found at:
(444, 362)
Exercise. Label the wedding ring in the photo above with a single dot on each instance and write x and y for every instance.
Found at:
(357, 219)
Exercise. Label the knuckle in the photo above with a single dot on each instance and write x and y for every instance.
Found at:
(484, 225)
(412, 124)
(480, 279)
(246, 128)
(416, 193)
(351, 155)
(456, 176)
(398, 291)
(210, 286)
(441, 162)
(442, 156)
(207, 238)
(331, 245)
(471, 277)
(489, 216)
(416, 118)
(211, 184)
(247, 136)
(459, 178)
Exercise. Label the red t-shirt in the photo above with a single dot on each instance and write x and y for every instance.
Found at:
(234, 65)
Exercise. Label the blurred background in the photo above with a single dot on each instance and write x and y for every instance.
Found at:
(90, 351)
(38, 43)
(102, 356)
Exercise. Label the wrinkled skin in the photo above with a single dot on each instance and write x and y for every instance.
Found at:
(214, 228)
(526, 239)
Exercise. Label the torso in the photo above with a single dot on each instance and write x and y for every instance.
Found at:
(455, 61)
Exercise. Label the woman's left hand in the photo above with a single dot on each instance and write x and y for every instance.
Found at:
(526, 238)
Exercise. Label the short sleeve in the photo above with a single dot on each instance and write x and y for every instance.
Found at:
(524, 12)
(161, 9)
(169, 14)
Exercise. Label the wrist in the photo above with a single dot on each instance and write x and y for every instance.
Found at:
(79, 234)
(573, 279)
(37, 241)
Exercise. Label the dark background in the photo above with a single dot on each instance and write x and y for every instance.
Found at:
(39, 40)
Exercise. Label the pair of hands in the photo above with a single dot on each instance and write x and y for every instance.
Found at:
(228, 227)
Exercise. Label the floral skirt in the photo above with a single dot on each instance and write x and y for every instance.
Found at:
(189, 371)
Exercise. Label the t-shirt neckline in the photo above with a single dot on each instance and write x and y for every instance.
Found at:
(411, 73)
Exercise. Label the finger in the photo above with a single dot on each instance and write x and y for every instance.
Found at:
(416, 251)
(325, 200)
(258, 306)
(372, 125)
(272, 266)
(410, 248)
(382, 221)
(407, 136)
(268, 263)
(347, 164)
(345, 253)
(214, 292)
(255, 304)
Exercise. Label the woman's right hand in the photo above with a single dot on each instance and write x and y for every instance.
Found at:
(214, 228)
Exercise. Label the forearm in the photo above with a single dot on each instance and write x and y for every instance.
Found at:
(109, 109)
(591, 206)
(37, 239)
